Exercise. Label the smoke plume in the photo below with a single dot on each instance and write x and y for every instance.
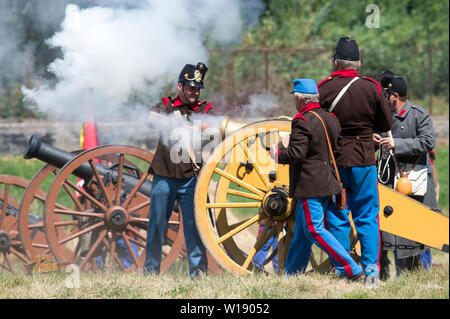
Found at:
(118, 59)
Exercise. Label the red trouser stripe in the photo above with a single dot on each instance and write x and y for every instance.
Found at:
(379, 232)
(322, 242)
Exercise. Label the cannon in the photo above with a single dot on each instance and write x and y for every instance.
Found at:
(103, 224)
(35, 148)
(13, 254)
(240, 185)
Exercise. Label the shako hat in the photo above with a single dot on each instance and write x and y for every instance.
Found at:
(193, 75)
(305, 86)
(393, 83)
(347, 49)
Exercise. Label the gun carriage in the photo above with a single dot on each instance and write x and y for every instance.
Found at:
(102, 224)
(246, 186)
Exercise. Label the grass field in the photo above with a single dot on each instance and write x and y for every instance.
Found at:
(175, 284)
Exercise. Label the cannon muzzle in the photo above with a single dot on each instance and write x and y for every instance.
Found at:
(36, 148)
(228, 126)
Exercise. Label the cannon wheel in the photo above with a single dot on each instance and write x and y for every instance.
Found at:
(31, 213)
(12, 251)
(234, 189)
(94, 238)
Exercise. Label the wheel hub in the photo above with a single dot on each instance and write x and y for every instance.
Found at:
(5, 241)
(117, 217)
(276, 204)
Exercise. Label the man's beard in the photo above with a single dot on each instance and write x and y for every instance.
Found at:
(193, 100)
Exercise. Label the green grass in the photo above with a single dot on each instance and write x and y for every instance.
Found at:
(442, 165)
(432, 284)
(175, 284)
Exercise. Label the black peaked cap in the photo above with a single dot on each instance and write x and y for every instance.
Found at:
(193, 75)
(347, 49)
(393, 83)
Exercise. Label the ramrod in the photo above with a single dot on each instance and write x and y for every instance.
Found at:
(36, 148)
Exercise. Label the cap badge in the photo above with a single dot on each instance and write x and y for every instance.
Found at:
(197, 76)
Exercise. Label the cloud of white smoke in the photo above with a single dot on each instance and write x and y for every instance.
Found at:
(113, 53)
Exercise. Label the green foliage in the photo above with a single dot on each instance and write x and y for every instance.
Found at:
(407, 30)
(442, 164)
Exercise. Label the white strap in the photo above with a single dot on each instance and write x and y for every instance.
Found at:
(338, 97)
(178, 115)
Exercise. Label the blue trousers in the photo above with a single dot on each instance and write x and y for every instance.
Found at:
(164, 193)
(309, 229)
(122, 252)
(260, 256)
(361, 188)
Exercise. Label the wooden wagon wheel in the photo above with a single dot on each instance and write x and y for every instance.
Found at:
(31, 213)
(12, 251)
(246, 186)
(110, 216)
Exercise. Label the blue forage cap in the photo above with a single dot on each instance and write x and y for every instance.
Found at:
(305, 86)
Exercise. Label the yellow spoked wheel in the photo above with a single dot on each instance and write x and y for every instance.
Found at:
(241, 188)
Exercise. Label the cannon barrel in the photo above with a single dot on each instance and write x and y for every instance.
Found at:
(229, 126)
(36, 148)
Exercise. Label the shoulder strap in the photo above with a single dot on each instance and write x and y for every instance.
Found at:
(338, 97)
(403, 171)
(329, 147)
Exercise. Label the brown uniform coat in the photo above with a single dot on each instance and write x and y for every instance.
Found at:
(311, 171)
(361, 111)
(162, 164)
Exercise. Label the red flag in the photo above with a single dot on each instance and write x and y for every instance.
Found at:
(88, 136)
(88, 140)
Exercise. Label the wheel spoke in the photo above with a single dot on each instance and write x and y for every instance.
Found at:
(138, 219)
(119, 179)
(77, 213)
(93, 248)
(262, 239)
(36, 245)
(87, 195)
(137, 242)
(233, 205)
(19, 255)
(239, 182)
(136, 232)
(5, 207)
(243, 194)
(135, 189)
(11, 226)
(100, 182)
(112, 251)
(130, 249)
(84, 231)
(8, 262)
(255, 164)
(281, 245)
(66, 223)
(138, 207)
(72, 195)
(238, 229)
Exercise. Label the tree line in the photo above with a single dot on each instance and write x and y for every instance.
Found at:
(409, 37)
